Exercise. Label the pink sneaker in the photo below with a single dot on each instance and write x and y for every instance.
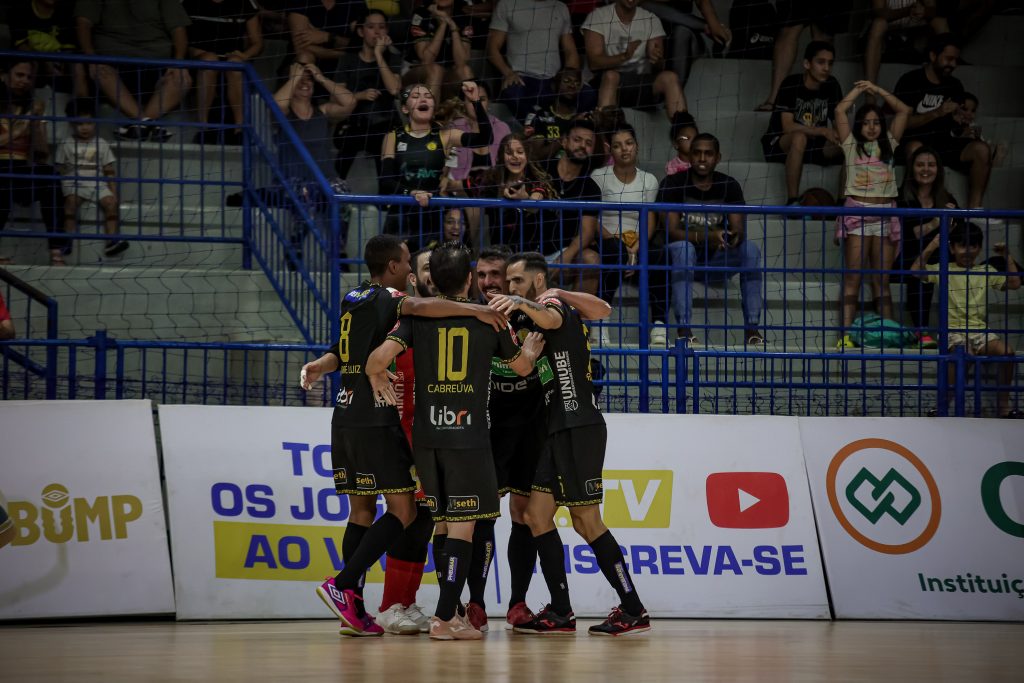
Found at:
(369, 628)
(342, 603)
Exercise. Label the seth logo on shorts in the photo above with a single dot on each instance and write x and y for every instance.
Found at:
(463, 504)
(443, 416)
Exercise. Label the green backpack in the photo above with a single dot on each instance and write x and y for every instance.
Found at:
(873, 331)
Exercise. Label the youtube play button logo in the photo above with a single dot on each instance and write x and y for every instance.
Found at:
(747, 500)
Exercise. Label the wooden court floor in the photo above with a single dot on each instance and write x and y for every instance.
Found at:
(675, 650)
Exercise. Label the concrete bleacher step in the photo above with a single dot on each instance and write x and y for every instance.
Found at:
(197, 304)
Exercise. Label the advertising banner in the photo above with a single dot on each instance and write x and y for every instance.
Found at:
(81, 483)
(710, 525)
(919, 518)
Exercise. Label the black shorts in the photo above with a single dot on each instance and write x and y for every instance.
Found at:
(571, 466)
(814, 153)
(948, 147)
(517, 447)
(371, 460)
(459, 484)
(636, 91)
(830, 17)
(141, 81)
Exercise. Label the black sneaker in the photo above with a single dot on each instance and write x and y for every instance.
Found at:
(549, 623)
(115, 248)
(155, 133)
(620, 623)
(135, 132)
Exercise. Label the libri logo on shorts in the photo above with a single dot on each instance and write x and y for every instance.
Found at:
(566, 385)
(883, 496)
(444, 417)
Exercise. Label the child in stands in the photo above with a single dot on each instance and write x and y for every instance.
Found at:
(967, 300)
(682, 133)
(869, 241)
(87, 162)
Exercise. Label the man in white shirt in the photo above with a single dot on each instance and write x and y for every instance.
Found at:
(537, 37)
(618, 243)
(626, 50)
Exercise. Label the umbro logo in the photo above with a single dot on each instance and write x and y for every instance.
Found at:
(336, 594)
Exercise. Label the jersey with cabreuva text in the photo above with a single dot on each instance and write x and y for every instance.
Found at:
(452, 364)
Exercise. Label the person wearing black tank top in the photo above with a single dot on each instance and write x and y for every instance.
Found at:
(413, 158)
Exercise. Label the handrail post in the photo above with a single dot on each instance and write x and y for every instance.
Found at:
(247, 183)
(100, 342)
(643, 283)
(51, 351)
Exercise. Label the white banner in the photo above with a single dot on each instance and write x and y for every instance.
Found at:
(919, 518)
(81, 482)
(712, 526)
(255, 522)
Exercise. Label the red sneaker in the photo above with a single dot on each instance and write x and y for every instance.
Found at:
(477, 617)
(518, 614)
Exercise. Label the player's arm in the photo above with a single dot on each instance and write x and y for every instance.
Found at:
(545, 317)
(430, 307)
(589, 306)
(377, 369)
(522, 360)
(312, 372)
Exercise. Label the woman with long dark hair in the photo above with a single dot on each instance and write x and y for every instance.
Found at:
(869, 241)
(514, 177)
(924, 187)
(413, 160)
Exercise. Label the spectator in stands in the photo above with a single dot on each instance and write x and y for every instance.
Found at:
(6, 324)
(469, 160)
(146, 30)
(24, 152)
(824, 19)
(687, 30)
(546, 125)
(533, 33)
(454, 229)
(372, 76)
(682, 134)
(514, 177)
(49, 26)
(924, 187)
(312, 123)
(570, 178)
(414, 157)
(222, 30)
(710, 240)
(799, 131)
(936, 98)
(626, 50)
(869, 242)
(967, 301)
(322, 29)
(967, 127)
(619, 239)
(87, 162)
(440, 34)
(900, 29)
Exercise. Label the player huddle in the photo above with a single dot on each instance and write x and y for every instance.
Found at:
(503, 403)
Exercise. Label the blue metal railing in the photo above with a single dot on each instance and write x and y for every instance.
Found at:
(23, 317)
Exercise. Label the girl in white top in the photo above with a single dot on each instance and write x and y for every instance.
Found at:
(870, 241)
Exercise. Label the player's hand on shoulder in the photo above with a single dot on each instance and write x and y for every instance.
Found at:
(492, 316)
(505, 304)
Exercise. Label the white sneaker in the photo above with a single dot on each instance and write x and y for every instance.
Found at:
(395, 620)
(415, 614)
(659, 339)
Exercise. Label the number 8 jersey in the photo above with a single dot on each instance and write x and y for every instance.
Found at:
(368, 313)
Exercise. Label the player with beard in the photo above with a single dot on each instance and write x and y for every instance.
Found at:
(452, 449)
(569, 472)
(518, 430)
(370, 454)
